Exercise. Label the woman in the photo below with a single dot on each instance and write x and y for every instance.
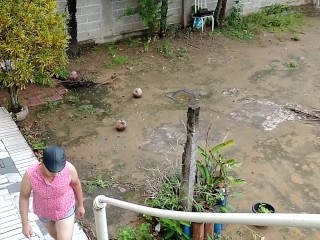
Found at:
(56, 187)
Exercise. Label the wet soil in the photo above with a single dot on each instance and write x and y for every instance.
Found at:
(241, 88)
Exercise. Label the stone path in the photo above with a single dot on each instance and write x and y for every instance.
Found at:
(15, 157)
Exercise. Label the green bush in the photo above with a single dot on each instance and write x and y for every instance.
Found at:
(33, 43)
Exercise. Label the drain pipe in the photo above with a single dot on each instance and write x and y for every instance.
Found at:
(100, 218)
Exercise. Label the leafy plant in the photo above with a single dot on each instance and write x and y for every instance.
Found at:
(172, 229)
(86, 109)
(166, 50)
(38, 145)
(149, 11)
(62, 73)
(214, 173)
(91, 185)
(263, 209)
(33, 43)
(141, 233)
(292, 64)
(275, 18)
(52, 104)
(182, 52)
(116, 58)
(168, 196)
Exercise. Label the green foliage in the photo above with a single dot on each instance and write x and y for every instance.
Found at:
(38, 145)
(166, 50)
(141, 233)
(214, 173)
(172, 229)
(292, 64)
(275, 18)
(33, 42)
(168, 196)
(62, 73)
(52, 104)
(98, 182)
(116, 58)
(149, 11)
(263, 209)
(87, 109)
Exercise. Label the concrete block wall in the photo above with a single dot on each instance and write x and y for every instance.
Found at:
(101, 20)
(89, 19)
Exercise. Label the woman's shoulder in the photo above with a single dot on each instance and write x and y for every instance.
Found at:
(33, 168)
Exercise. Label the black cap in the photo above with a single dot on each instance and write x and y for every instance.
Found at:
(54, 159)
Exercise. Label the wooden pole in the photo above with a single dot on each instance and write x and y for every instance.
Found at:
(197, 231)
(189, 158)
(208, 231)
(184, 13)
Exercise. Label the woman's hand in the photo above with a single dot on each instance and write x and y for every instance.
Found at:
(27, 230)
(80, 211)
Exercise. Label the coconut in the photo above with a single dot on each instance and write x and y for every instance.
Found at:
(121, 125)
(137, 93)
(73, 75)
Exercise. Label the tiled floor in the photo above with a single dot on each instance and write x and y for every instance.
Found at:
(15, 157)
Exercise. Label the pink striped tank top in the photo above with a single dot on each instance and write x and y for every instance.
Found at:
(54, 199)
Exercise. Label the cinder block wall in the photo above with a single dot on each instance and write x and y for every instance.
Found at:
(89, 19)
(100, 20)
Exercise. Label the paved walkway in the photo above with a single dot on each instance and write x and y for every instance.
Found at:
(15, 157)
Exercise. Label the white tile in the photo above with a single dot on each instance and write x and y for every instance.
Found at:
(11, 227)
(6, 203)
(4, 154)
(13, 177)
(10, 223)
(3, 180)
(6, 209)
(9, 213)
(9, 218)
(15, 233)
(4, 192)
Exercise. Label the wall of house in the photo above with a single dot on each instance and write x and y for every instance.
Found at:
(101, 21)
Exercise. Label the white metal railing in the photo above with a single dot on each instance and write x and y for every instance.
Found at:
(257, 219)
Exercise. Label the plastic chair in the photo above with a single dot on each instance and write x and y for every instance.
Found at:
(201, 12)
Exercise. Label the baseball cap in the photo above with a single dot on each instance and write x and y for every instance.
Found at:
(54, 159)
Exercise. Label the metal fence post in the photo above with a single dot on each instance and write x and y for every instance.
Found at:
(99, 209)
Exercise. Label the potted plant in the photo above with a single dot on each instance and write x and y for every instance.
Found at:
(262, 207)
(214, 178)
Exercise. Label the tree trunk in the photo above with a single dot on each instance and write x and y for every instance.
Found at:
(14, 105)
(72, 29)
(217, 13)
(222, 14)
(164, 17)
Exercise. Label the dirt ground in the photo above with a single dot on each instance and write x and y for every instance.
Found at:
(242, 88)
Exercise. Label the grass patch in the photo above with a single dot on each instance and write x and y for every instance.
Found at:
(50, 105)
(116, 59)
(98, 182)
(86, 109)
(292, 64)
(275, 18)
(166, 49)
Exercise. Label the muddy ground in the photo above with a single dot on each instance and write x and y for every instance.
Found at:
(241, 87)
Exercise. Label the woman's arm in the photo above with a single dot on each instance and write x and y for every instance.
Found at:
(76, 185)
(25, 192)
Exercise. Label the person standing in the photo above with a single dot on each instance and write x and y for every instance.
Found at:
(56, 190)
